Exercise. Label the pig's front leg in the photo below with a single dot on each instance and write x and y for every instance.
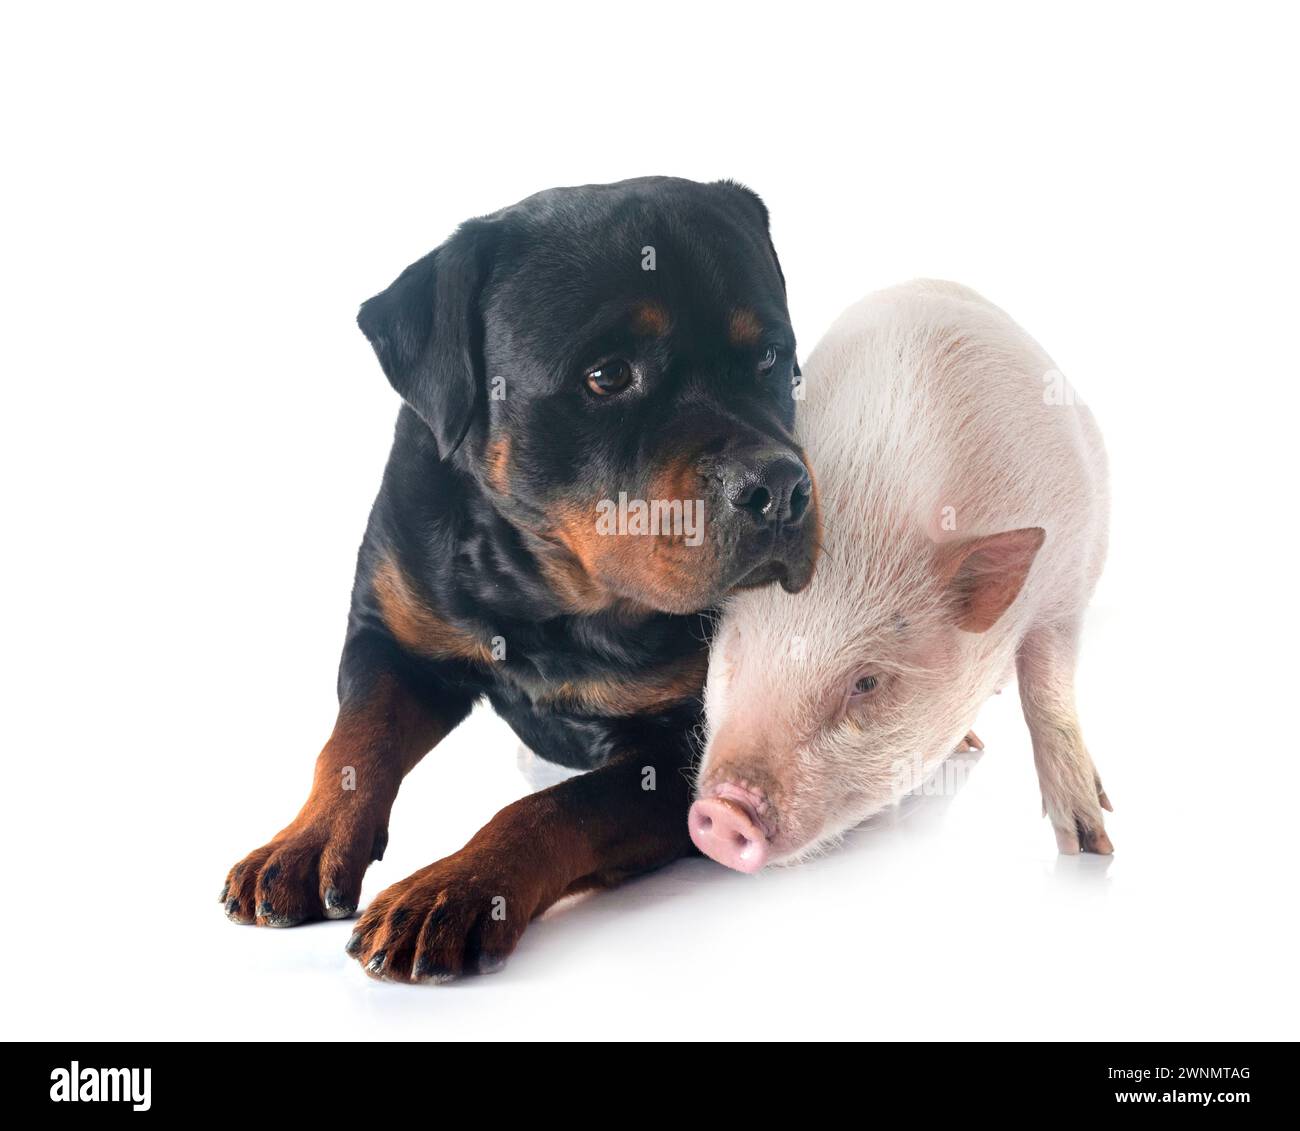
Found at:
(1072, 795)
(466, 913)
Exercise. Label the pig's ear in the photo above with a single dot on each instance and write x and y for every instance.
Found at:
(984, 575)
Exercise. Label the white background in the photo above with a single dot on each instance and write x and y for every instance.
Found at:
(193, 430)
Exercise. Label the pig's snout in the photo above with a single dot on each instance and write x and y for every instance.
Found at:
(726, 828)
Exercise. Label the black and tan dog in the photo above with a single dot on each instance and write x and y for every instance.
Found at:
(585, 344)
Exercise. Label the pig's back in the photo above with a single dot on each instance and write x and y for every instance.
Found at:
(927, 405)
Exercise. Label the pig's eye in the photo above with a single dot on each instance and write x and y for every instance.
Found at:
(866, 685)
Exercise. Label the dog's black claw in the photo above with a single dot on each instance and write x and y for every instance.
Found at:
(272, 918)
(376, 963)
(335, 907)
(426, 971)
(381, 842)
(354, 943)
(225, 891)
(232, 907)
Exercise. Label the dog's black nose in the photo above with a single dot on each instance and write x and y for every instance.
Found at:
(772, 487)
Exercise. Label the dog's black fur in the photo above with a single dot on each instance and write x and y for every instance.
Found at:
(480, 573)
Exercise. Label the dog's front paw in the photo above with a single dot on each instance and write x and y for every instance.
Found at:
(458, 916)
(309, 871)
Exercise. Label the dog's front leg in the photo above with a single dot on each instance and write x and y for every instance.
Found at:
(466, 913)
(312, 869)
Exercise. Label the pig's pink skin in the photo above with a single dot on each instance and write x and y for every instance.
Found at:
(751, 801)
(932, 422)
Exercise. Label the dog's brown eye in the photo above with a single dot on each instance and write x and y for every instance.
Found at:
(612, 377)
(768, 360)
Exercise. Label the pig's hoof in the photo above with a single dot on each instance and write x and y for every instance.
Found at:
(969, 743)
(1083, 837)
(1078, 825)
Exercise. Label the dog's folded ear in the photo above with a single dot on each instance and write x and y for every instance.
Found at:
(753, 205)
(427, 331)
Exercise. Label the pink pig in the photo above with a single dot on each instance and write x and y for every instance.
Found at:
(964, 496)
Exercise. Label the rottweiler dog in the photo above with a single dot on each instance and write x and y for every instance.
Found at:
(594, 448)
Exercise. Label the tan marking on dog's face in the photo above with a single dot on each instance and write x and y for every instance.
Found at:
(650, 318)
(744, 328)
(592, 570)
(570, 570)
(498, 465)
(416, 626)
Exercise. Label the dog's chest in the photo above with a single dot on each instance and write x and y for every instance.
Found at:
(616, 692)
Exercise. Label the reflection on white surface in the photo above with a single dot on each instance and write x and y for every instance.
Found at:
(949, 916)
(1084, 869)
